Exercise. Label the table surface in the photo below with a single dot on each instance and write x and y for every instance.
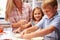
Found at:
(14, 36)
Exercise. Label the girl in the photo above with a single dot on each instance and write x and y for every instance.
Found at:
(37, 15)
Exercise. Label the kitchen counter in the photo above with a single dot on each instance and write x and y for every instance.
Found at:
(14, 36)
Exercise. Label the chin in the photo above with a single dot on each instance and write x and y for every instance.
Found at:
(37, 20)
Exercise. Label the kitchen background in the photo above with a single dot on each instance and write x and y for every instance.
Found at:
(33, 3)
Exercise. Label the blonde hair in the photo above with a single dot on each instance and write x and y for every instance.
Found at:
(9, 7)
(52, 3)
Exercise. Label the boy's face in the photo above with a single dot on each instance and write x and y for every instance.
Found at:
(49, 11)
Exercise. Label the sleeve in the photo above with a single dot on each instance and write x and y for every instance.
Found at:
(40, 23)
(32, 22)
(12, 20)
(56, 23)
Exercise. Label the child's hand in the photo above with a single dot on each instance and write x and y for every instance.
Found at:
(15, 31)
(26, 36)
(23, 32)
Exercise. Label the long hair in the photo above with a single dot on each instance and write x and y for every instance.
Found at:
(34, 10)
(9, 7)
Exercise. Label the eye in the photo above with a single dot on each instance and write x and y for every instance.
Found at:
(39, 13)
(35, 13)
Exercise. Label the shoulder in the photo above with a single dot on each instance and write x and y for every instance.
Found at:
(57, 17)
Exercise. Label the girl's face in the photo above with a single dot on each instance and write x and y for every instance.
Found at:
(37, 14)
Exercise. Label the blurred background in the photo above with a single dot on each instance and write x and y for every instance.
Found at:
(33, 3)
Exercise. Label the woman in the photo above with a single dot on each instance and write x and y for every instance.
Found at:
(16, 11)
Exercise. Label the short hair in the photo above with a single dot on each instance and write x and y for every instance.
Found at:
(52, 3)
(34, 10)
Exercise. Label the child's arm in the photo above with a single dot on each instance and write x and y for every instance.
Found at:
(32, 29)
(27, 25)
(29, 30)
(39, 33)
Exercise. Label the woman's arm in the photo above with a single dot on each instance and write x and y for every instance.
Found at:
(21, 27)
(16, 25)
(19, 23)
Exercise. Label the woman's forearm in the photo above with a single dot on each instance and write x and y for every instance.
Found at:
(15, 25)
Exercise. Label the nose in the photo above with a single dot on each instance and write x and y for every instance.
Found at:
(37, 15)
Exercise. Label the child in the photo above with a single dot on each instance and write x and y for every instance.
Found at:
(37, 15)
(50, 23)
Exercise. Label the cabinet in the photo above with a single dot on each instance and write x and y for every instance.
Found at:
(34, 3)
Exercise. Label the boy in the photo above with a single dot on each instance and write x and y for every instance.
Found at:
(50, 23)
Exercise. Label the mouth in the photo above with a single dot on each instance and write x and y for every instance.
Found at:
(38, 17)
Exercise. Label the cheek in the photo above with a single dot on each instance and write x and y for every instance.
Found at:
(48, 12)
(34, 16)
(37, 16)
(40, 16)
